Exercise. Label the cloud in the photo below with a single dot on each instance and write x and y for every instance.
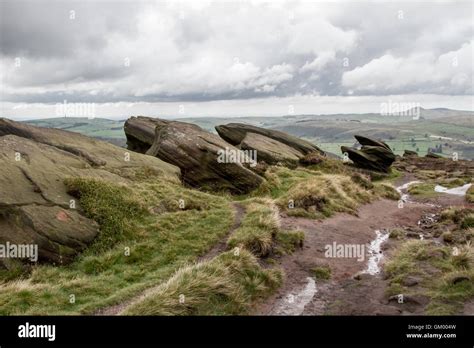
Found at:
(449, 73)
(107, 51)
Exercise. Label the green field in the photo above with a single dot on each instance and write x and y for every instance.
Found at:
(450, 129)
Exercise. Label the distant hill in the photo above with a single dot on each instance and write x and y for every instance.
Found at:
(442, 129)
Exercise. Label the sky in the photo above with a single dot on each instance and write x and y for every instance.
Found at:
(232, 58)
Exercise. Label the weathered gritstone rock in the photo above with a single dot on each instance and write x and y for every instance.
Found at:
(196, 152)
(59, 233)
(34, 204)
(235, 133)
(140, 132)
(371, 142)
(94, 152)
(38, 174)
(374, 154)
(271, 151)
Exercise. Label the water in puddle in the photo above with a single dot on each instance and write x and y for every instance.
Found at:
(375, 253)
(294, 304)
(458, 191)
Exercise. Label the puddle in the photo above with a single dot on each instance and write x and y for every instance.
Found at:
(458, 191)
(375, 253)
(294, 304)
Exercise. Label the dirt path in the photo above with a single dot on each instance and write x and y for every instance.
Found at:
(239, 212)
(351, 290)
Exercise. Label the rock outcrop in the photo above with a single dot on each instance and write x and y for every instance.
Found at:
(235, 133)
(373, 155)
(35, 207)
(206, 161)
(270, 150)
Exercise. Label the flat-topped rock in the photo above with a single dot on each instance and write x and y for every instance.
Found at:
(235, 133)
(270, 150)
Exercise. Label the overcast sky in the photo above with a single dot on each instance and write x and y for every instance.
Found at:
(201, 58)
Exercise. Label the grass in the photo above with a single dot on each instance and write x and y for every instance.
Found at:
(112, 206)
(160, 243)
(463, 219)
(323, 195)
(470, 194)
(397, 233)
(227, 285)
(260, 231)
(152, 231)
(423, 190)
(321, 272)
(446, 277)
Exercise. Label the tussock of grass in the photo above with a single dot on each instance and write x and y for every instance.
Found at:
(468, 221)
(470, 195)
(321, 272)
(446, 277)
(323, 195)
(423, 190)
(260, 231)
(463, 218)
(397, 233)
(258, 228)
(227, 285)
(386, 190)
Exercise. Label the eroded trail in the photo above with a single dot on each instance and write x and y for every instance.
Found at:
(355, 286)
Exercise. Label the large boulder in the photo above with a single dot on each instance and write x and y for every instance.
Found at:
(366, 141)
(140, 132)
(58, 233)
(373, 155)
(93, 152)
(235, 133)
(271, 151)
(35, 207)
(206, 161)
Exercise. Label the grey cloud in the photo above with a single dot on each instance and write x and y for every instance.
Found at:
(182, 53)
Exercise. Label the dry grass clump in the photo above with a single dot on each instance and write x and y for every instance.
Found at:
(260, 231)
(226, 285)
(323, 195)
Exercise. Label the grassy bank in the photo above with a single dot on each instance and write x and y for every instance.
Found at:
(444, 274)
(146, 238)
